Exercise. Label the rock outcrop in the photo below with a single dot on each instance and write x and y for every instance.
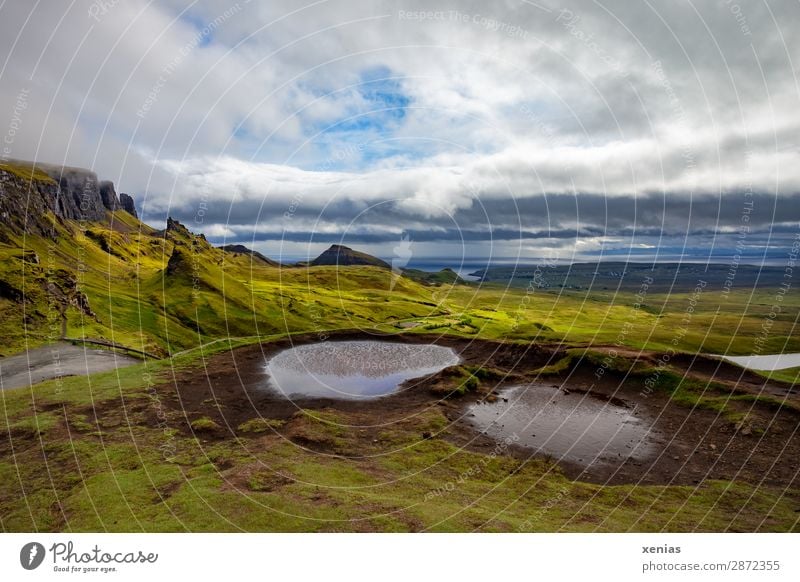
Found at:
(109, 195)
(126, 201)
(64, 289)
(176, 229)
(28, 193)
(78, 194)
(179, 262)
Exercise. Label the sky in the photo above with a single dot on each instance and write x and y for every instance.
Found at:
(506, 130)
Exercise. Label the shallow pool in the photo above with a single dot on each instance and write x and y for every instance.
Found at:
(353, 369)
(767, 362)
(572, 426)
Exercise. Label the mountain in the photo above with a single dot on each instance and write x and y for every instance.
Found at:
(75, 262)
(345, 256)
(243, 250)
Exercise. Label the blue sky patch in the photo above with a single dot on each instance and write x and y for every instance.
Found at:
(202, 28)
(369, 129)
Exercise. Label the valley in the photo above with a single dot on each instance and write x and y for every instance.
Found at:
(194, 438)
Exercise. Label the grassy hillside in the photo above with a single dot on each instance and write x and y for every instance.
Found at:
(106, 452)
(25, 171)
(164, 292)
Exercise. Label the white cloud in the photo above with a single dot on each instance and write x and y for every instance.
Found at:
(621, 100)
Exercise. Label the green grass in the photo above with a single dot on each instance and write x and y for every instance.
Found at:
(76, 469)
(27, 172)
(108, 472)
(204, 424)
(259, 425)
(121, 271)
(789, 375)
(112, 476)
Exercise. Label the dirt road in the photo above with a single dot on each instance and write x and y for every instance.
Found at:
(57, 360)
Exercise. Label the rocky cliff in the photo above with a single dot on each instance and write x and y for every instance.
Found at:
(28, 193)
(108, 195)
(126, 201)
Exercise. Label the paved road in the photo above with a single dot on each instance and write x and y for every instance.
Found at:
(57, 360)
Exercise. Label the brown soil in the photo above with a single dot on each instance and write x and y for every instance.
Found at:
(694, 444)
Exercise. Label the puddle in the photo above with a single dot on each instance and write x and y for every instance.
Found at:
(353, 369)
(573, 427)
(766, 362)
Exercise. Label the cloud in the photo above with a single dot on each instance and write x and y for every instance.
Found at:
(371, 119)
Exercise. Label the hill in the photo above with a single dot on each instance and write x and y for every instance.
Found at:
(192, 442)
(243, 250)
(75, 264)
(345, 257)
(111, 277)
(446, 276)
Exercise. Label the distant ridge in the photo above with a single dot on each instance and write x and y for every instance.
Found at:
(243, 250)
(446, 275)
(671, 277)
(345, 257)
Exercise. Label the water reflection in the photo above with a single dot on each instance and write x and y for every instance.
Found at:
(571, 426)
(766, 362)
(353, 369)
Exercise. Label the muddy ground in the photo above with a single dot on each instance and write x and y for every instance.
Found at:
(693, 444)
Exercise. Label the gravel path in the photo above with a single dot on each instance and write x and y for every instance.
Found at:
(57, 360)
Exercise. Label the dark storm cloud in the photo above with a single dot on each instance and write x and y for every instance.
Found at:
(552, 216)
